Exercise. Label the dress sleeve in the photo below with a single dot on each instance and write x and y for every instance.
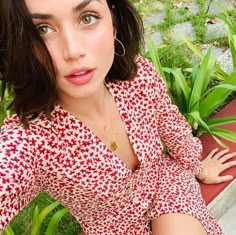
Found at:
(173, 128)
(17, 174)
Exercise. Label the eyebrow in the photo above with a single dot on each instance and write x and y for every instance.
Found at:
(83, 4)
(78, 8)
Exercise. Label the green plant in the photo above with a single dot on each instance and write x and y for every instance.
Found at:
(39, 217)
(193, 91)
(4, 103)
(231, 30)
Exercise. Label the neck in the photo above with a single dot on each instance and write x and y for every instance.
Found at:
(86, 108)
(96, 113)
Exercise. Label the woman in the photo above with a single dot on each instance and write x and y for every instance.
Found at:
(90, 117)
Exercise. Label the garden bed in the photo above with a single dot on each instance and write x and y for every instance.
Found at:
(209, 192)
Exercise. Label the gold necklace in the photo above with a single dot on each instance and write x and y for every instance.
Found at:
(113, 145)
(107, 136)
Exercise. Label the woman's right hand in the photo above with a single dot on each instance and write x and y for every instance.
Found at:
(214, 164)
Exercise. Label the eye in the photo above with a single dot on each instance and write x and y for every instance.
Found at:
(43, 30)
(89, 18)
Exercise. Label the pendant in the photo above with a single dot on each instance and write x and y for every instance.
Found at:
(113, 146)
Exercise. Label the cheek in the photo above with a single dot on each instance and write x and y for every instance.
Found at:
(103, 39)
(103, 44)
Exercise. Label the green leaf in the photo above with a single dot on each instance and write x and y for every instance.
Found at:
(196, 116)
(221, 121)
(203, 77)
(232, 45)
(152, 50)
(217, 96)
(181, 101)
(219, 142)
(218, 73)
(222, 85)
(41, 217)
(194, 73)
(225, 134)
(182, 83)
(36, 215)
(55, 220)
(194, 48)
(8, 231)
(225, 16)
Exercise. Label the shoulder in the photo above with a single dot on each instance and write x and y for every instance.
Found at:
(146, 82)
(13, 128)
(18, 140)
(148, 77)
(12, 125)
(13, 138)
(143, 64)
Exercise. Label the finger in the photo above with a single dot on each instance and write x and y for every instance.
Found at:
(220, 153)
(224, 178)
(212, 153)
(228, 165)
(228, 156)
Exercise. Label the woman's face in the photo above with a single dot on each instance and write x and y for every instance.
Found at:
(80, 37)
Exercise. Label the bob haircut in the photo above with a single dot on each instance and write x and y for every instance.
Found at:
(26, 67)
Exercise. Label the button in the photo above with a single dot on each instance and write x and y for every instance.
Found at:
(144, 205)
(136, 200)
(139, 188)
(129, 187)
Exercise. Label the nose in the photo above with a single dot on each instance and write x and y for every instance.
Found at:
(72, 45)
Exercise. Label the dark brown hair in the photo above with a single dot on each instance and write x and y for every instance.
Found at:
(26, 67)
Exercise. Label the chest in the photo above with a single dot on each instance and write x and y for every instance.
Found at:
(78, 156)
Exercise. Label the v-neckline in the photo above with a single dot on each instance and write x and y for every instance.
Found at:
(126, 120)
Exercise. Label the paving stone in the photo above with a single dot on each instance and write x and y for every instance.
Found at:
(213, 31)
(193, 8)
(223, 208)
(223, 58)
(216, 30)
(190, 7)
(215, 51)
(183, 30)
(225, 61)
(227, 222)
(154, 19)
(214, 9)
(178, 15)
(218, 206)
(160, 6)
(155, 36)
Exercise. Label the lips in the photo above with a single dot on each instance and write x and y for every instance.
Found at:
(80, 76)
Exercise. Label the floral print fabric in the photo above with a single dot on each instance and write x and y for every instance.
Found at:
(67, 160)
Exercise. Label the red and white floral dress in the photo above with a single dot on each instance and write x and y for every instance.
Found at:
(64, 158)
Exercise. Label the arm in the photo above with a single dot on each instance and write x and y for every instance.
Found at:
(176, 133)
(17, 173)
(174, 130)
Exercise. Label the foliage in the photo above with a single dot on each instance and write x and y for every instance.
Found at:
(200, 90)
(231, 30)
(39, 217)
(4, 104)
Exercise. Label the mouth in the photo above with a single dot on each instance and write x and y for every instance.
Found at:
(79, 72)
(80, 76)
